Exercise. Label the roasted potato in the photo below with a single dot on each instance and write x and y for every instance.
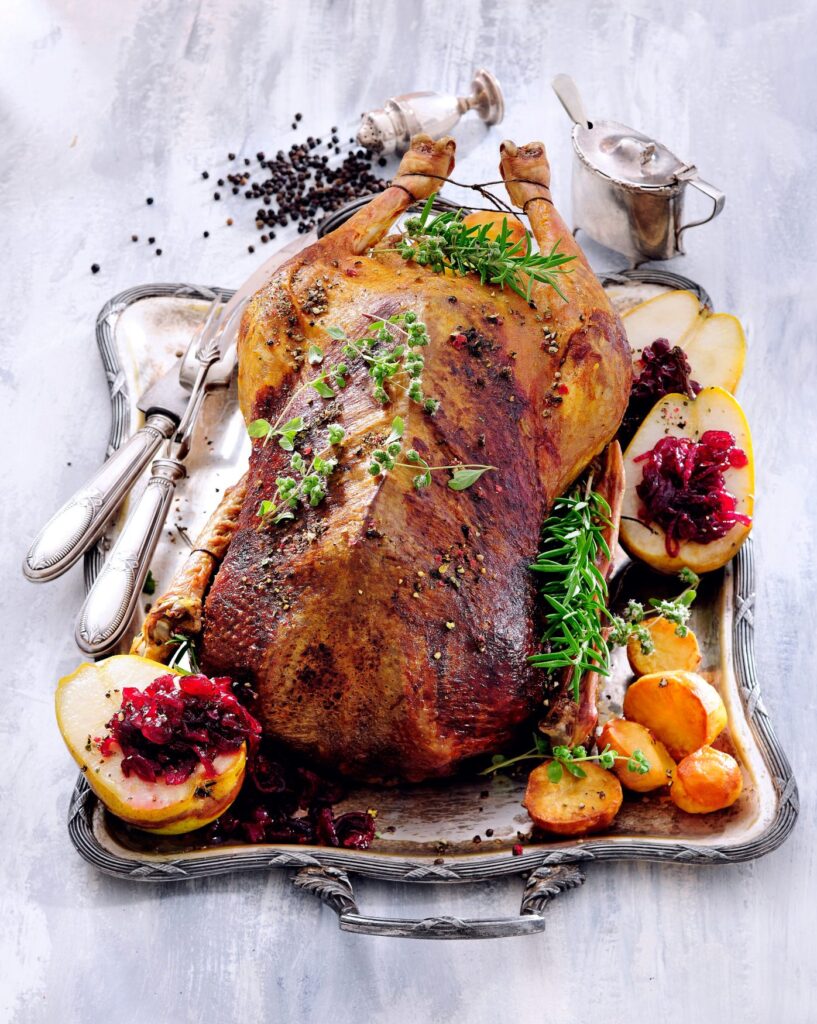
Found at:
(705, 781)
(679, 708)
(573, 806)
(670, 650)
(627, 737)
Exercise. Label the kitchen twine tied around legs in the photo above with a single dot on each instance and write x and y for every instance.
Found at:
(482, 189)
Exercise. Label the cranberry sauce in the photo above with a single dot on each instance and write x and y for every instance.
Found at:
(665, 370)
(683, 488)
(176, 723)
(275, 792)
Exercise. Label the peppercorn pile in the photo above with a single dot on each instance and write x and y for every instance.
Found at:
(299, 185)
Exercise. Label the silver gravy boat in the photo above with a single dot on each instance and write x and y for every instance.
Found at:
(628, 189)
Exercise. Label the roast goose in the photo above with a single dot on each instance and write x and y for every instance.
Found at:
(386, 632)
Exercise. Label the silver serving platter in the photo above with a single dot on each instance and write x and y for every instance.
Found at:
(428, 833)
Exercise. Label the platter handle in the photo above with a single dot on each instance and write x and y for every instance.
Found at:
(333, 887)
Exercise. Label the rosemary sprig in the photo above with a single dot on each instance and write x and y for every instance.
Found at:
(185, 648)
(567, 759)
(444, 243)
(574, 591)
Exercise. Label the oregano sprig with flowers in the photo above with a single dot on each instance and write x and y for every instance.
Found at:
(389, 348)
(384, 460)
(568, 759)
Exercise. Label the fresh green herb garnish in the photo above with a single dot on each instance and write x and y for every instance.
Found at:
(308, 487)
(574, 590)
(390, 350)
(286, 432)
(565, 759)
(149, 586)
(185, 648)
(575, 593)
(444, 243)
(631, 623)
(385, 459)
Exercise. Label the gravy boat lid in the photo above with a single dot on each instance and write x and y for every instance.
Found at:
(626, 155)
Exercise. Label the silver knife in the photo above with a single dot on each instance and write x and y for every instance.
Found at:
(78, 524)
(256, 281)
(106, 612)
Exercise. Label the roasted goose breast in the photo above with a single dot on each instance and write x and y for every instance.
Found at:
(386, 631)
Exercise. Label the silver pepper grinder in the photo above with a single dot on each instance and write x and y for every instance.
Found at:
(390, 129)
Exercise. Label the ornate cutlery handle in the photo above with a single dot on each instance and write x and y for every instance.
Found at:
(106, 613)
(76, 526)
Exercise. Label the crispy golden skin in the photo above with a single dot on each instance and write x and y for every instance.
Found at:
(387, 631)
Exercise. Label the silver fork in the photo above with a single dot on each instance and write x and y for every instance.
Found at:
(110, 603)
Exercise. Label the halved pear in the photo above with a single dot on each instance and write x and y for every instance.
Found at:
(669, 315)
(716, 350)
(86, 701)
(679, 416)
(714, 343)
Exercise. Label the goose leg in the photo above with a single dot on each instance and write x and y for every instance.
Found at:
(179, 610)
(419, 176)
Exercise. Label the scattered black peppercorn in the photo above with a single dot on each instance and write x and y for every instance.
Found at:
(216, 196)
(205, 175)
(206, 234)
(231, 156)
(134, 238)
(158, 252)
(298, 117)
(250, 248)
(94, 268)
(151, 240)
(149, 200)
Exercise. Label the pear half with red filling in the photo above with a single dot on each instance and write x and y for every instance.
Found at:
(643, 536)
(86, 701)
(714, 343)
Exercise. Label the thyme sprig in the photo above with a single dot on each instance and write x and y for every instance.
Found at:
(567, 759)
(444, 243)
(574, 590)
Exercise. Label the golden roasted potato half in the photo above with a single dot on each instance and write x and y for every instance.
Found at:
(573, 806)
(705, 781)
(670, 651)
(627, 737)
(680, 708)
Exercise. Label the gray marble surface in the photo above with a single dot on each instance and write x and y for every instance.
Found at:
(104, 104)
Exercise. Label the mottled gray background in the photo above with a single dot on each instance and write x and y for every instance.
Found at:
(105, 103)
